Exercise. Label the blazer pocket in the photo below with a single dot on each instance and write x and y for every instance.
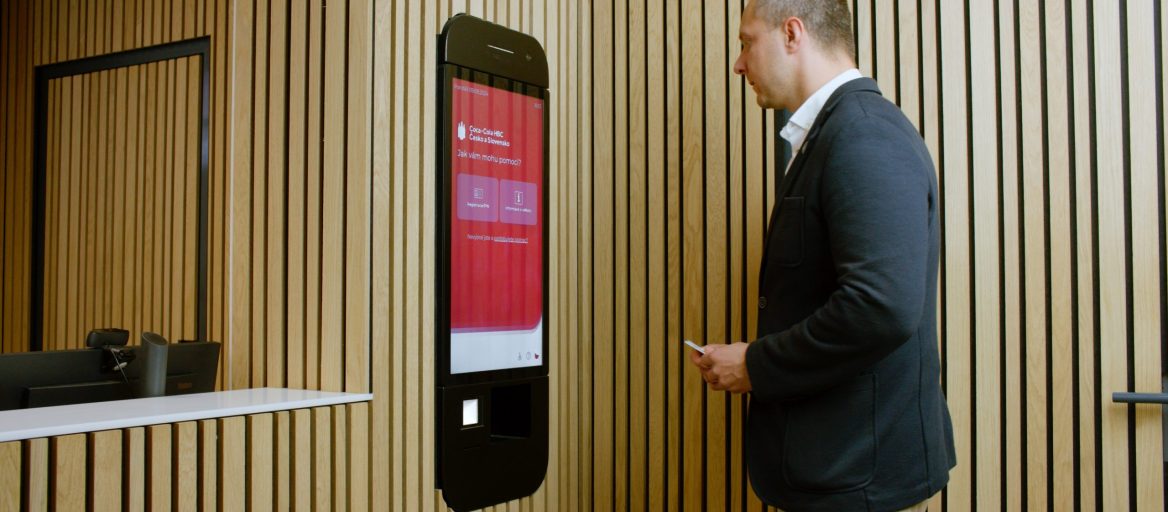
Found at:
(830, 441)
(787, 240)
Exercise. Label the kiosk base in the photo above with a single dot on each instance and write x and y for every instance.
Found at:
(492, 441)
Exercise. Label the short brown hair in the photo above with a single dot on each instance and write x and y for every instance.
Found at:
(828, 21)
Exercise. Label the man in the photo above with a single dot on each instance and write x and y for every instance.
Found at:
(846, 409)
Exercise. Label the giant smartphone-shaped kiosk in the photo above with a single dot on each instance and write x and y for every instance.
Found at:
(492, 298)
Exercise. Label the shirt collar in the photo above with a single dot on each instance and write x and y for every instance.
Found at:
(800, 122)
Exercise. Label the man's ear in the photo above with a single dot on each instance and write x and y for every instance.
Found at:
(794, 33)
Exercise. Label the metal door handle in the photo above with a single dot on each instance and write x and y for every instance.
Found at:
(1140, 398)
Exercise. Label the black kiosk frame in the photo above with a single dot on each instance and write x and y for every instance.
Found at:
(503, 455)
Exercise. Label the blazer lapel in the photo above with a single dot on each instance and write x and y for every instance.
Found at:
(796, 168)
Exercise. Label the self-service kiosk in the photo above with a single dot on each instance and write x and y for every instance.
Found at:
(492, 299)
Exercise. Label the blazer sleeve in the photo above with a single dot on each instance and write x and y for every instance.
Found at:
(875, 195)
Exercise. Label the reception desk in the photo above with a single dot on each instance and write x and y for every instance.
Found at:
(249, 449)
(62, 420)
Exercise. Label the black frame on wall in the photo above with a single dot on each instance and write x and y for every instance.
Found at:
(198, 47)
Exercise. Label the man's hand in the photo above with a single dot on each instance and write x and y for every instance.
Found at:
(723, 367)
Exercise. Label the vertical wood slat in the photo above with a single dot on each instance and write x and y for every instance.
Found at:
(52, 285)
(296, 195)
(340, 460)
(863, 16)
(601, 235)
(638, 269)
(740, 282)
(1031, 190)
(278, 174)
(398, 485)
(548, 497)
(159, 466)
(105, 471)
(955, 276)
(36, 475)
(24, 265)
(302, 463)
(260, 458)
(322, 467)
(185, 483)
(1112, 278)
(586, 328)
(187, 173)
(566, 286)
(11, 475)
(1146, 285)
(217, 288)
(282, 453)
(358, 228)
(259, 176)
(357, 452)
(68, 476)
(163, 186)
(1011, 248)
(675, 224)
(238, 362)
(930, 71)
(715, 213)
(21, 221)
(985, 279)
(885, 69)
(432, 24)
(82, 244)
(315, 172)
(134, 475)
(208, 464)
(1059, 156)
(909, 68)
(72, 192)
(7, 290)
(757, 218)
(232, 457)
(119, 302)
(692, 253)
(622, 280)
(413, 489)
(154, 114)
(568, 313)
(655, 215)
(382, 432)
(332, 227)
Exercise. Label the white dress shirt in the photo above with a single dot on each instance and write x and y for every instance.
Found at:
(800, 122)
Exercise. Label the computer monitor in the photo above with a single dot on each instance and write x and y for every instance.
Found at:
(63, 377)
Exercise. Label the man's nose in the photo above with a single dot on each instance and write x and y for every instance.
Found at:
(739, 69)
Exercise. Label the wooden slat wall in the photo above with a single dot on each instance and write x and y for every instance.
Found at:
(1047, 125)
(158, 467)
(1051, 162)
(1045, 119)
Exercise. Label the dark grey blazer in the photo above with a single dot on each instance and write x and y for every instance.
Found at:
(847, 411)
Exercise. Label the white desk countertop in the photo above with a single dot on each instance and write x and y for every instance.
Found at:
(21, 424)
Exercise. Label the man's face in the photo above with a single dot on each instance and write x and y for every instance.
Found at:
(765, 61)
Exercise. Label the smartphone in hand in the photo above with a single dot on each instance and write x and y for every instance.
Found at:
(696, 347)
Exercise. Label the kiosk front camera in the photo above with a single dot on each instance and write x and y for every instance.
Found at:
(492, 300)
